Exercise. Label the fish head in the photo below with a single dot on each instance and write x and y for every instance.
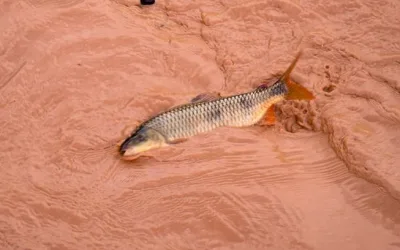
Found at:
(141, 141)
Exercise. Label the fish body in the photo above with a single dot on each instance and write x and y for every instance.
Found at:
(234, 111)
(205, 113)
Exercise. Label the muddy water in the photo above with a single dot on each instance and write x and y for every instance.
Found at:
(75, 74)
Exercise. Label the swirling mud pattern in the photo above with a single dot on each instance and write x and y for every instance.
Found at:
(77, 76)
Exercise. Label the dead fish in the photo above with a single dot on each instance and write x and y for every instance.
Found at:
(206, 112)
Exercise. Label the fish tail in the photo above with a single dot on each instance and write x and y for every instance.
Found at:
(285, 78)
(295, 90)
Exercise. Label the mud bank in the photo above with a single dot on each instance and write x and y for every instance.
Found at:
(74, 74)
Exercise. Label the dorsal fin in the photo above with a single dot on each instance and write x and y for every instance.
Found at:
(206, 97)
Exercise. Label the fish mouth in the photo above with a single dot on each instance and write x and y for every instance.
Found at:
(126, 147)
(126, 155)
(140, 143)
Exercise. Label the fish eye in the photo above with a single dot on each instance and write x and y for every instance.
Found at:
(140, 137)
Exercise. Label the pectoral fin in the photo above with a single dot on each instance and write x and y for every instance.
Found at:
(177, 141)
(206, 97)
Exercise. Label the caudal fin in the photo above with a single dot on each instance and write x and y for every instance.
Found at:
(296, 91)
(286, 75)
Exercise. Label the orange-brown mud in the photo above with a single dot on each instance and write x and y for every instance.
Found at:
(74, 74)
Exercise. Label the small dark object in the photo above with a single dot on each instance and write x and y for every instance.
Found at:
(147, 2)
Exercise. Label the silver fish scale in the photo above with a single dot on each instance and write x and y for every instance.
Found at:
(194, 118)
